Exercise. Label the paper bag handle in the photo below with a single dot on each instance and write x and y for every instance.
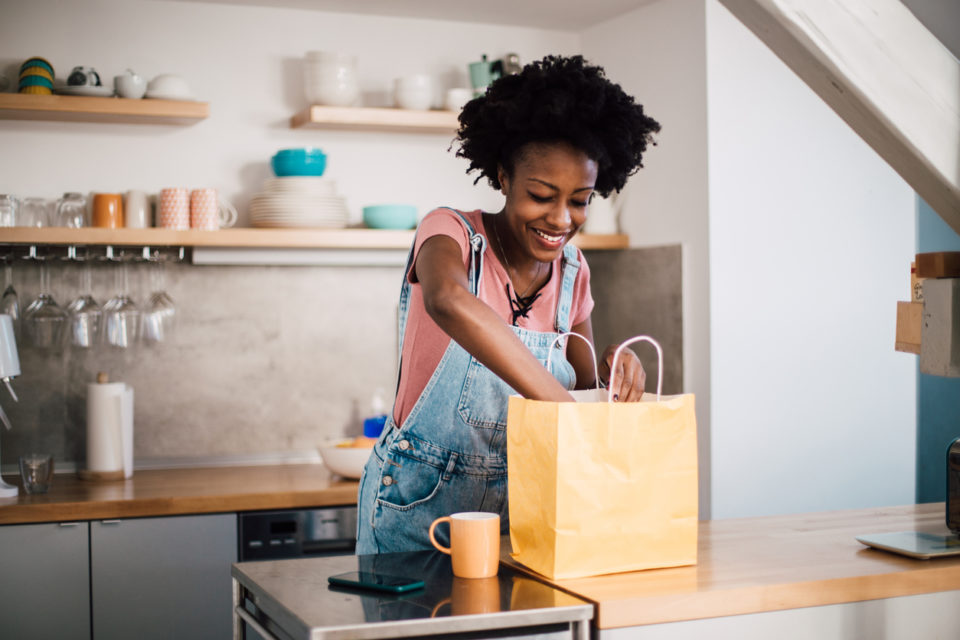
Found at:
(596, 373)
(616, 354)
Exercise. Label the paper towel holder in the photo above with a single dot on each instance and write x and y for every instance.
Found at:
(113, 434)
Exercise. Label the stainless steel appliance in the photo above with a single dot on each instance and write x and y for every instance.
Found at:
(295, 533)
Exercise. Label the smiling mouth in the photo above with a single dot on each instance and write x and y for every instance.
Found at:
(550, 238)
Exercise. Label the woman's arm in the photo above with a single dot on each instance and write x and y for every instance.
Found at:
(474, 325)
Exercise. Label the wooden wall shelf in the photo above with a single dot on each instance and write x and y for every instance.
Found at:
(353, 238)
(375, 119)
(18, 106)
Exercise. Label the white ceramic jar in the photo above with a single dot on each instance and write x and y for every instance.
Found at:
(330, 78)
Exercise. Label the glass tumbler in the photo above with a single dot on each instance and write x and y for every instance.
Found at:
(36, 471)
(71, 211)
(9, 210)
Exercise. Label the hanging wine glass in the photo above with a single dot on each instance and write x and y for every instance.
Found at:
(159, 320)
(44, 319)
(121, 316)
(10, 303)
(84, 312)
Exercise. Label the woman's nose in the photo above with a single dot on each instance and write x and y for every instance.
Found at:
(559, 216)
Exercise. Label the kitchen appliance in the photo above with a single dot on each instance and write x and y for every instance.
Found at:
(295, 533)
(953, 486)
(9, 368)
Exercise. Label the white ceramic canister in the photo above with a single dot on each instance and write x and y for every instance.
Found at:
(330, 78)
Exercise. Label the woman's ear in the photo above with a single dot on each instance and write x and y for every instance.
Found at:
(503, 179)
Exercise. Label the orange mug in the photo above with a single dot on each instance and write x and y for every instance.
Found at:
(107, 210)
(474, 543)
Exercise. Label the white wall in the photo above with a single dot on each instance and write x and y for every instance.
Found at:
(658, 54)
(246, 62)
(811, 239)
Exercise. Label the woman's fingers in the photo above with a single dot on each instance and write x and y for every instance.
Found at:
(629, 378)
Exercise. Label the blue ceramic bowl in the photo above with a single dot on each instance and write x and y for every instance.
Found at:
(390, 216)
(299, 162)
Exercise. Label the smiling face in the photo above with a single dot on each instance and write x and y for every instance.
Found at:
(546, 200)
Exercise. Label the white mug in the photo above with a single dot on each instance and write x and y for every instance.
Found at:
(136, 209)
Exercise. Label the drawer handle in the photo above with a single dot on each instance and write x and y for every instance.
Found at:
(69, 524)
(111, 521)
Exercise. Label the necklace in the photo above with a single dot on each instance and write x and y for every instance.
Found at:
(519, 304)
(496, 232)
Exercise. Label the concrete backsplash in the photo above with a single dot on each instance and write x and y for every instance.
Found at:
(269, 361)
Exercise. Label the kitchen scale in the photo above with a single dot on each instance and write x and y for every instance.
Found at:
(919, 544)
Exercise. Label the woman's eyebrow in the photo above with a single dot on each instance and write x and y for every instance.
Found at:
(556, 188)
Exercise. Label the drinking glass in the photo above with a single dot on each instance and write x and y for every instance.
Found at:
(121, 317)
(85, 314)
(34, 212)
(159, 320)
(9, 210)
(10, 303)
(44, 319)
(71, 211)
(36, 471)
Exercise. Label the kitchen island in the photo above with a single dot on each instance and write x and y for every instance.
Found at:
(794, 576)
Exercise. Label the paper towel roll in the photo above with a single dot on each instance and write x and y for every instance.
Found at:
(110, 428)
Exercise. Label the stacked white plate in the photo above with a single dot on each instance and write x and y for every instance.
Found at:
(299, 201)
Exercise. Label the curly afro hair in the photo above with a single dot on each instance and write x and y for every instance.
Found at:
(556, 99)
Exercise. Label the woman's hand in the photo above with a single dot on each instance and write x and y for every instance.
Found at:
(628, 380)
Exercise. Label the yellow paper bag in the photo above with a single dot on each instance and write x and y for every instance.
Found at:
(600, 487)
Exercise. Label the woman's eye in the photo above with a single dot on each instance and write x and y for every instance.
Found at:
(580, 204)
(537, 198)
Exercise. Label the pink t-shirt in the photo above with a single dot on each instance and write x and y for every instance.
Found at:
(424, 343)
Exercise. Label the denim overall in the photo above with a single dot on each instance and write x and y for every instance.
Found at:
(451, 454)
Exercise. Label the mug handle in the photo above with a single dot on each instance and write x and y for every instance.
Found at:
(433, 540)
(226, 214)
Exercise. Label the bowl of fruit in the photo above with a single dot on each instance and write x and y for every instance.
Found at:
(346, 457)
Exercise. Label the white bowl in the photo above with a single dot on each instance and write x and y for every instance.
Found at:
(344, 461)
(169, 87)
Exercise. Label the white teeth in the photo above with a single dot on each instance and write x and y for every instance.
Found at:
(548, 238)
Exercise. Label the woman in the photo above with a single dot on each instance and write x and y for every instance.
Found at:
(485, 297)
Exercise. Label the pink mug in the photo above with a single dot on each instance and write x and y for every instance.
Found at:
(173, 208)
(208, 212)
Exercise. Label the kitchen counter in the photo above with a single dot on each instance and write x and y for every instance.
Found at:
(168, 492)
(754, 565)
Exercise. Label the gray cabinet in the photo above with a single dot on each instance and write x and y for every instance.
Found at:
(45, 581)
(143, 578)
(163, 577)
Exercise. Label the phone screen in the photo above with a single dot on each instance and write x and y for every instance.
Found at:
(375, 581)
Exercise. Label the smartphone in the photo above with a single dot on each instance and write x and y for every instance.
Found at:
(375, 582)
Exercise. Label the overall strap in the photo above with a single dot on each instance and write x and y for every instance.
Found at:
(477, 245)
(569, 274)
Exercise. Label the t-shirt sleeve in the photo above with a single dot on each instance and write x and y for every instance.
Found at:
(439, 222)
(582, 297)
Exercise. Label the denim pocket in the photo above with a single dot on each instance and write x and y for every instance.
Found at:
(407, 481)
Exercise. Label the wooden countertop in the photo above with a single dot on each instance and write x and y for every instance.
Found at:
(167, 492)
(751, 565)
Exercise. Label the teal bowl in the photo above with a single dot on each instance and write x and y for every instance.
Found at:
(35, 81)
(36, 62)
(390, 216)
(299, 162)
